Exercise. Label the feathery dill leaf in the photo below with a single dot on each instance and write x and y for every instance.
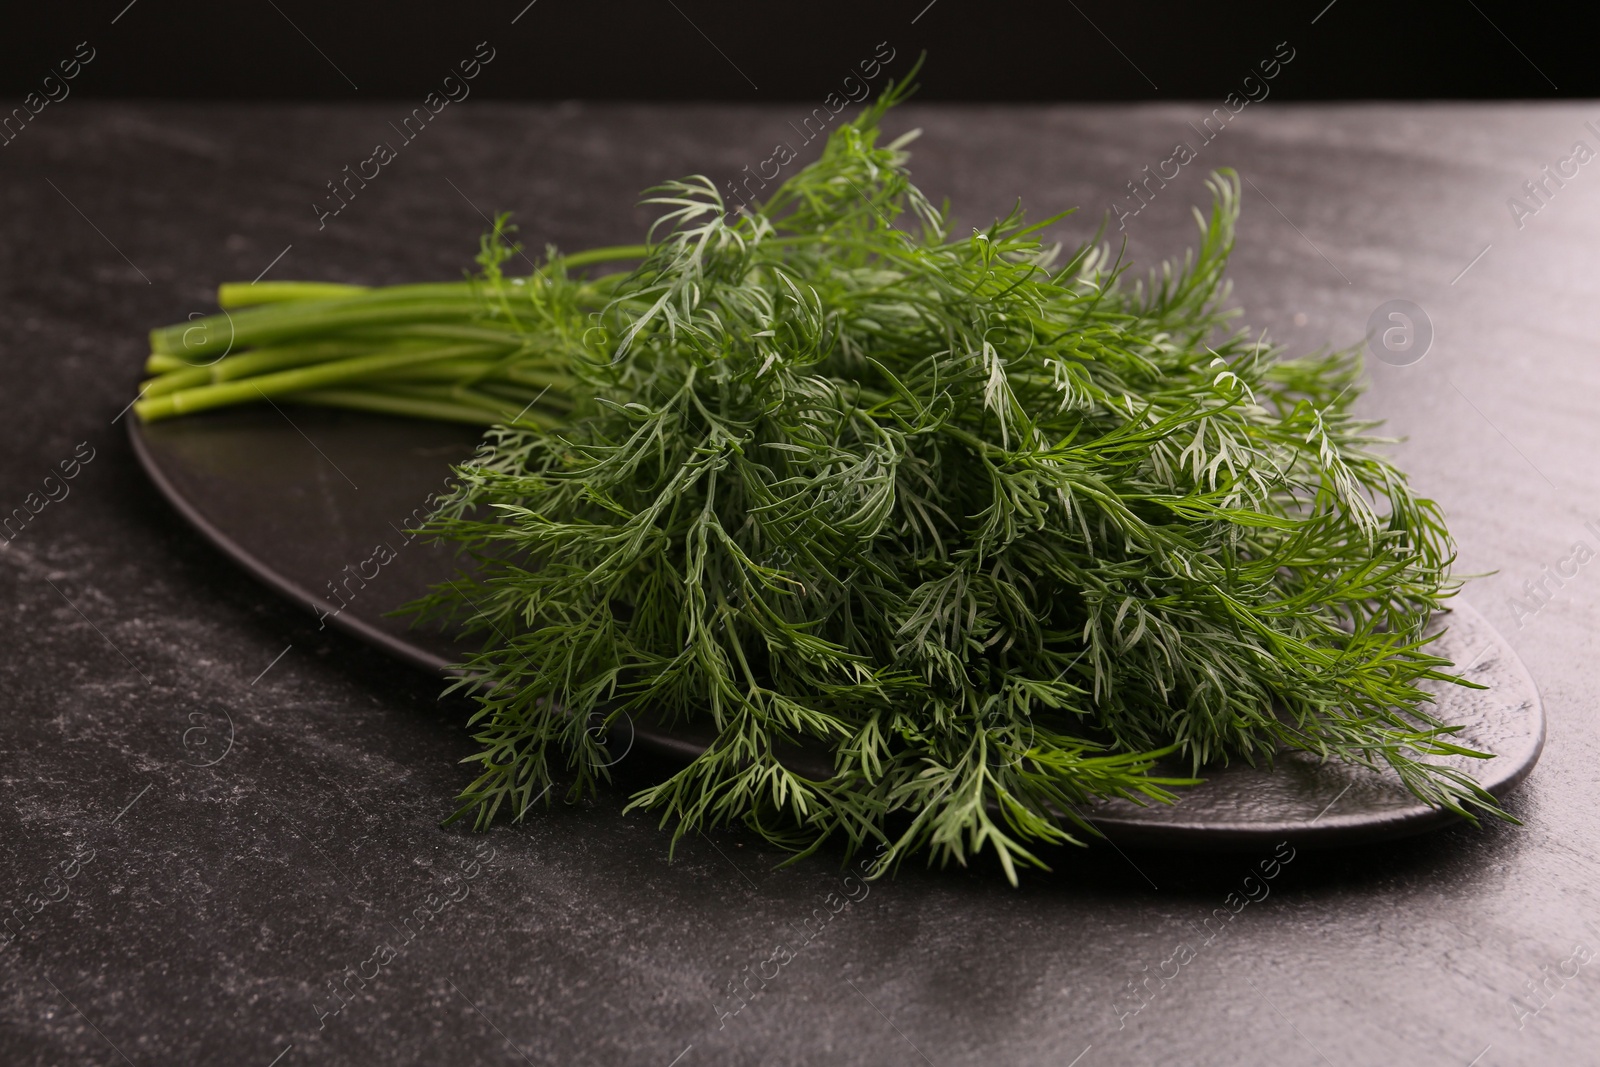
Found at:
(991, 525)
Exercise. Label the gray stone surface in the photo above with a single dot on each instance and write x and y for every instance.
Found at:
(211, 906)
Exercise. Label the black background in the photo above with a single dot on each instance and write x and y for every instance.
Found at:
(669, 49)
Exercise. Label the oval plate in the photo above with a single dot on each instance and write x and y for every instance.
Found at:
(315, 503)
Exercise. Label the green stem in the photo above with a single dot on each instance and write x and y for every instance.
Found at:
(163, 363)
(250, 350)
(423, 407)
(257, 361)
(474, 372)
(381, 308)
(218, 335)
(499, 403)
(250, 294)
(604, 255)
(296, 380)
(488, 332)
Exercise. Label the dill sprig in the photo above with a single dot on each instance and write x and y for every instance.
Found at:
(995, 526)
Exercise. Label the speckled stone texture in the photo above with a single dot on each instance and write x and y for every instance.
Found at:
(222, 824)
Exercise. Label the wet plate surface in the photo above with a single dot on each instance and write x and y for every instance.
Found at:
(316, 503)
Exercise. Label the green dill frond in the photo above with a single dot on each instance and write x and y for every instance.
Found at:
(995, 532)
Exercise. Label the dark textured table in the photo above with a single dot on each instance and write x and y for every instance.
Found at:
(221, 824)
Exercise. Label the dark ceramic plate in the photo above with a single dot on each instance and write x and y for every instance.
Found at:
(315, 503)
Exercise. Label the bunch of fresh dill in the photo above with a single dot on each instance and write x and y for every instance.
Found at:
(995, 530)
(988, 526)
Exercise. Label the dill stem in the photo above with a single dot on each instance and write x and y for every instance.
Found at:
(340, 372)
(252, 294)
(604, 255)
(443, 408)
(174, 373)
(220, 334)
(256, 294)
